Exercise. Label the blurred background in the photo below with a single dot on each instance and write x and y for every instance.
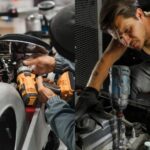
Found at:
(24, 8)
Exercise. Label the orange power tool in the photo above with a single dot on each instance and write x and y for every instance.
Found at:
(26, 81)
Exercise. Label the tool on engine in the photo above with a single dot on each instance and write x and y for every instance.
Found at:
(27, 85)
(120, 90)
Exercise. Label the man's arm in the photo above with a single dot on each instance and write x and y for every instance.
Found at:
(45, 64)
(88, 97)
(59, 114)
(113, 52)
(61, 117)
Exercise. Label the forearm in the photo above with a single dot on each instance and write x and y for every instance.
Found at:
(61, 118)
(113, 52)
(98, 75)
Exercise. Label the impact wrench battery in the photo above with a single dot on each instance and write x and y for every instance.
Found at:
(66, 84)
(26, 81)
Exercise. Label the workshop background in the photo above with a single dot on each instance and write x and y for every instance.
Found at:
(18, 24)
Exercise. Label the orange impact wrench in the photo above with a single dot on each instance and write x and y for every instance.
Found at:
(26, 81)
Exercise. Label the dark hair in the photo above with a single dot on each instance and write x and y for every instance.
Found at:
(143, 4)
(113, 8)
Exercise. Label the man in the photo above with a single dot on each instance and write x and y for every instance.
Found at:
(128, 25)
(59, 113)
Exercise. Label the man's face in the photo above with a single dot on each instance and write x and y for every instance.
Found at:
(130, 32)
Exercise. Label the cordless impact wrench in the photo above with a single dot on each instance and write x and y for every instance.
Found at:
(26, 82)
(120, 90)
